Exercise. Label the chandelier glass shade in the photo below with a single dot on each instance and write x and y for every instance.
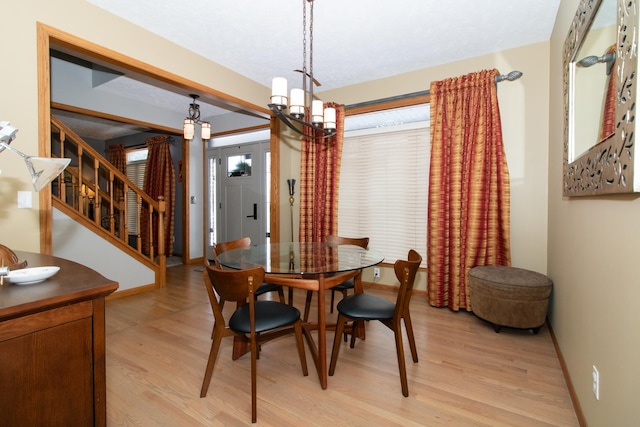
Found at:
(303, 110)
(189, 125)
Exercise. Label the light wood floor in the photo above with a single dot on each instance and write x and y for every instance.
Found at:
(158, 343)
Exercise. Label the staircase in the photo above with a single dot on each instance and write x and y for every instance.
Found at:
(94, 193)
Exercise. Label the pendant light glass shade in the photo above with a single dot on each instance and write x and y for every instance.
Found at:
(188, 129)
(206, 130)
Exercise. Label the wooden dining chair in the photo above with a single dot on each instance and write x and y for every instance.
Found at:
(343, 287)
(245, 242)
(360, 307)
(255, 321)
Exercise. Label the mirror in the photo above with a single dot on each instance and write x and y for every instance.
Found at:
(599, 86)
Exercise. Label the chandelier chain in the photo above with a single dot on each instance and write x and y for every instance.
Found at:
(311, 83)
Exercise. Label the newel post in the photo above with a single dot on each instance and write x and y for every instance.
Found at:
(162, 258)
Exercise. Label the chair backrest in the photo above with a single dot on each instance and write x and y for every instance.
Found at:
(356, 241)
(244, 242)
(406, 273)
(231, 285)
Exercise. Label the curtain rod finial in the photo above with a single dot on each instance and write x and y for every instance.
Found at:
(514, 75)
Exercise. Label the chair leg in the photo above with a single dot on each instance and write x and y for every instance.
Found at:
(412, 342)
(254, 387)
(307, 306)
(300, 343)
(354, 331)
(290, 296)
(221, 303)
(213, 353)
(333, 294)
(281, 295)
(401, 364)
(342, 320)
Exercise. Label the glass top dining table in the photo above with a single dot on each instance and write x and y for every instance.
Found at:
(310, 266)
(301, 258)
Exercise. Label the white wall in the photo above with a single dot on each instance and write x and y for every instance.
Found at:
(72, 241)
(593, 262)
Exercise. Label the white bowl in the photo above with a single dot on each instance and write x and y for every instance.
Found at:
(29, 276)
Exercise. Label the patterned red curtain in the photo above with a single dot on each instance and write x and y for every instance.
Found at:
(159, 180)
(610, 102)
(469, 195)
(319, 181)
(118, 158)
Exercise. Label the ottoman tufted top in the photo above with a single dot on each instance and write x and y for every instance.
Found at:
(513, 276)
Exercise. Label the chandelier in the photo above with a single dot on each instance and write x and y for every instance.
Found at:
(194, 117)
(322, 120)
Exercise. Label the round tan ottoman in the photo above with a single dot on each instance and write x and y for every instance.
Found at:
(509, 296)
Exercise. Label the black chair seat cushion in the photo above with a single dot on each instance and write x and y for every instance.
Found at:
(344, 285)
(366, 307)
(266, 288)
(269, 315)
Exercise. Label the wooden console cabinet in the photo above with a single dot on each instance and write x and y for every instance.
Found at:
(52, 347)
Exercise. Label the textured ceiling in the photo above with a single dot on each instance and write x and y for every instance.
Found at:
(354, 40)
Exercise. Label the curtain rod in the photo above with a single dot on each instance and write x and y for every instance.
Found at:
(513, 75)
(170, 139)
(389, 99)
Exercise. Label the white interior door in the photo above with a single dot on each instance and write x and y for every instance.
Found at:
(241, 197)
(237, 193)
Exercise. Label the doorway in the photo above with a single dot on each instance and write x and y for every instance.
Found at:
(237, 193)
(146, 83)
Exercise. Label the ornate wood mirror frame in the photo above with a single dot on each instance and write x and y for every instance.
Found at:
(608, 166)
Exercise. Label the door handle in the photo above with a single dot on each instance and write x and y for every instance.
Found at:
(255, 212)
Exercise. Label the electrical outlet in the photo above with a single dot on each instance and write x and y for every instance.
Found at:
(376, 272)
(25, 199)
(596, 382)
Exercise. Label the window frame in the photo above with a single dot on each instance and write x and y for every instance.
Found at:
(132, 211)
(389, 104)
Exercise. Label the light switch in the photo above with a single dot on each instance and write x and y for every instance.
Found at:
(25, 199)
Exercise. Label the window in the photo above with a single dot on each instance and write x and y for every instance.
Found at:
(267, 194)
(212, 202)
(239, 165)
(384, 180)
(136, 164)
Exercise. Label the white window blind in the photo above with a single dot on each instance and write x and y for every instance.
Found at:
(136, 165)
(384, 180)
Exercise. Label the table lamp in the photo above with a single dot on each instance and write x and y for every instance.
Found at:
(42, 170)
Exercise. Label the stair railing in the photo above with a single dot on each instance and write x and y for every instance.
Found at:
(94, 192)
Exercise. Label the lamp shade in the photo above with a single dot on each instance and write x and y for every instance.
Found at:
(316, 111)
(329, 118)
(44, 169)
(279, 91)
(206, 130)
(296, 105)
(188, 129)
